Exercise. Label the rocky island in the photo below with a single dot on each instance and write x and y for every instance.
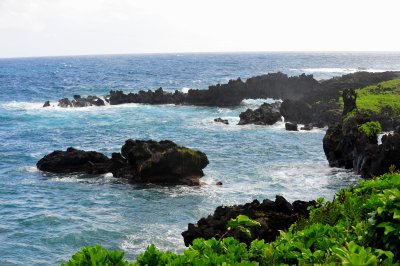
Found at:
(139, 161)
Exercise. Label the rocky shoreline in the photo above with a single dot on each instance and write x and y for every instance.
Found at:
(305, 100)
(346, 144)
(350, 141)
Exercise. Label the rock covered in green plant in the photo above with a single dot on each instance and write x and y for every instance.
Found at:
(353, 143)
(272, 216)
(162, 162)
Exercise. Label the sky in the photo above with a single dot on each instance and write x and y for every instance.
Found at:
(83, 27)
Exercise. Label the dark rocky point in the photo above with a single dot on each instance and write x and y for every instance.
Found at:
(306, 99)
(139, 161)
(272, 215)
(46, 104)
(345, 145)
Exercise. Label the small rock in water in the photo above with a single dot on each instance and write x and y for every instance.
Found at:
(291, 126)
(46, 104)
(220, 120)
(266, 114)
(219, 183)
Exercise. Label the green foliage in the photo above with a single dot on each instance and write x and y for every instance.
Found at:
(228, 251)
(241, 222)
(97, 256)
(382, 97)
(361, 226)
(377, 97)
(370, 129)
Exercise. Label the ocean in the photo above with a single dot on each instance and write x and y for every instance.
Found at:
(45, 218)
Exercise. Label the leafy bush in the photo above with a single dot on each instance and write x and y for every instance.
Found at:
(370, 129)
(97, 256)
(361, 226)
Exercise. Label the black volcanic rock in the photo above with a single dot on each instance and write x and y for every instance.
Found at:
(349, 100)
(220, 120)
(46, 104)
(79, 101)
(74, 161)
(266, 114)
(164, 161)
(159, 96)
(272, 215)
(65, 102)
(296, 111)
(291, 126)
(139, 161)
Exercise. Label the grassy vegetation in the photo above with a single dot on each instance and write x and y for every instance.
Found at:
(371, 129)
(361, 226)
(383, 97)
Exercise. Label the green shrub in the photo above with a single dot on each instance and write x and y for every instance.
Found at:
(361, 226)
(97, 256)
(370, 129)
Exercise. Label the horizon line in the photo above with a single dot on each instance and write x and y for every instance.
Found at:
(192, 53)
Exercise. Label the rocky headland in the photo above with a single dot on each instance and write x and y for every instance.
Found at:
(353, 142)
(140, 161)
(305, 100)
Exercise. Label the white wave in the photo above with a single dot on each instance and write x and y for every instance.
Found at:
(38, 106)
(255, 103)
(306, 180)
(169, 238)
(28, 169)
(14, 105)
(83, 178)
(337, 70)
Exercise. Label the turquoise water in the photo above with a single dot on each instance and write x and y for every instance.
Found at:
(45, 218)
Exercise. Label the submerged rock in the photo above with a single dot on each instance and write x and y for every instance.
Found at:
(220, 120)
(272, 215)
(139, 161)
(266, 114)
(79, 101)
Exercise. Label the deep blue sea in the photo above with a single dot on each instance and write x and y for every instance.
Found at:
(45, 218)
